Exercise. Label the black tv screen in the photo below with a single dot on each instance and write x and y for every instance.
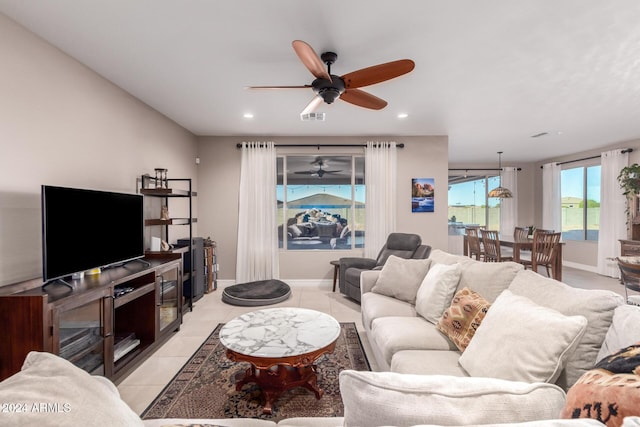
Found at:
(87, 229)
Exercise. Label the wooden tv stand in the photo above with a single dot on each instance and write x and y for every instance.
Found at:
(106, 324)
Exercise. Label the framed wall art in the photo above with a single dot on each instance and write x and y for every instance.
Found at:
(422, 194)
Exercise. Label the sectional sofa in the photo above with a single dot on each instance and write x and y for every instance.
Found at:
(529, 340)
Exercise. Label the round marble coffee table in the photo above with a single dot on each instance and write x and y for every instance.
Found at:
(281, 344)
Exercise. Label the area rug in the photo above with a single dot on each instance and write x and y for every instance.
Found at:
(205, 386)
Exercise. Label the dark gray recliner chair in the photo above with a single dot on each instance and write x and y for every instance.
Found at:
(402, 245)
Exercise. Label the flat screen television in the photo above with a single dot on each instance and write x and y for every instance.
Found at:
(87, 229)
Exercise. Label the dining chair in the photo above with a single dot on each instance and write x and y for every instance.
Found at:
(630, 278)
(544, 251)
(492, 252)
(521, 233)
(473, 240)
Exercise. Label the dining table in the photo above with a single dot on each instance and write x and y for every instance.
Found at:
(520, 244)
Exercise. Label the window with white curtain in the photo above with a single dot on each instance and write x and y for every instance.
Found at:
(469, 204)
(321, 202)
(580, 192)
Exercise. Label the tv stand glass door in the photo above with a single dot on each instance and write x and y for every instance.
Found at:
(83, 333)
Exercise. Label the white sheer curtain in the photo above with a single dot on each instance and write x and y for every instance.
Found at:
(380, 182)
(509, 207)
(551, 197)
(257, 254)
(613, 221)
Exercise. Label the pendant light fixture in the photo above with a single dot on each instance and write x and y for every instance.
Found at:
(500, 192)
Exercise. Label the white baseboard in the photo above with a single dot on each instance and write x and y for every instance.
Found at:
(299, 283)
(224, 283)
(589, 268)
(310, 283)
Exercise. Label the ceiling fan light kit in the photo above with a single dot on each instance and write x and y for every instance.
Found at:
(329, 87)
(320, 162)
(312, 117)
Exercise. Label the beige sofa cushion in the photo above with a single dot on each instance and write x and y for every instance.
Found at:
(390, 399)
(374, 306)
(392, 334)
(428, 362)
(488, 279)
(519, 340)
(72, 396)
(441, 257)
(597, 306)
(400, 278)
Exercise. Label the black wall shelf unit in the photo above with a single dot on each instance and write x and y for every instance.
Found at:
(171, 191)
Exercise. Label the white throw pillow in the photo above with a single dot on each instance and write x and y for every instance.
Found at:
(596, 305)
(436, 291)
(69, 396)
(623, 332)
(391, 399)
(519, 340)
(400, 278)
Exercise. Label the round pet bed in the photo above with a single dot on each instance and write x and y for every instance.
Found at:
(262, 292)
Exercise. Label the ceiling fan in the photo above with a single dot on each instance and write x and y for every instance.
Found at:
(329, 87)
(319, 172)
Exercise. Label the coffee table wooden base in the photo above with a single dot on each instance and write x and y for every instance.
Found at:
(274, 376)
(275, 381)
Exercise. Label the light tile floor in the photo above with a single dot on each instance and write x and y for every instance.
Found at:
(146, 382)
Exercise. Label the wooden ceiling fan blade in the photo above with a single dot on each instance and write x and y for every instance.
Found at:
(310, 59)
(317, 100)
(377, 73)
(278, 87)
(363, 99)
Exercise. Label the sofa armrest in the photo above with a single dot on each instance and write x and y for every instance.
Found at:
(364, 263)
(349, 262)
(368, 279)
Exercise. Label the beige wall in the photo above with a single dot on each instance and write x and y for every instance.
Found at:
(62, 124)
(219, 177)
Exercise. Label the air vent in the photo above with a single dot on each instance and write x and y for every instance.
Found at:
(538, 135)
(312, 117)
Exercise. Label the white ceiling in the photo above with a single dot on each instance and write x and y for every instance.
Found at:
(488, 73)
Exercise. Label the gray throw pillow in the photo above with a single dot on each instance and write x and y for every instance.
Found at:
(400, 278)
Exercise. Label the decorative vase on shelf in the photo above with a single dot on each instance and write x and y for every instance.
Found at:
(164, 212)
(531, 230)
(161, 180)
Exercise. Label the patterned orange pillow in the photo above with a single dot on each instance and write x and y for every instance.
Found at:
(461, 320)
(603, 396)
(610, 392)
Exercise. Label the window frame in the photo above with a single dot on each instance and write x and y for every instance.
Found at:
(360, 233)
(487, 178)
(585, 166)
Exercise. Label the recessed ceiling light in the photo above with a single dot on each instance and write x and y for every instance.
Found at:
(248, 116)
(402, 115)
